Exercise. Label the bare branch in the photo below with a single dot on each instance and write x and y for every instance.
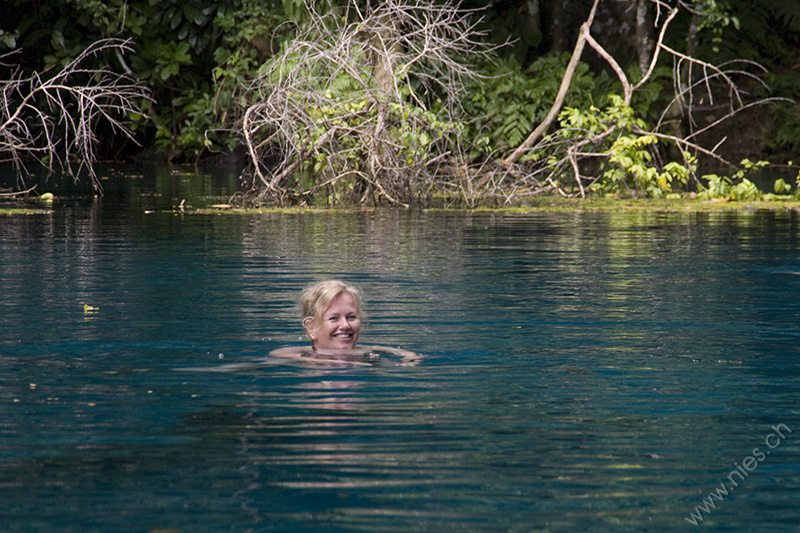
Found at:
(627, 90)
(53, 119)
(567, 148)
(562, 91)
(349, 103)
(654, 61)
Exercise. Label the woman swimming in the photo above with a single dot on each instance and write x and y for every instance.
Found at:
(332, 316)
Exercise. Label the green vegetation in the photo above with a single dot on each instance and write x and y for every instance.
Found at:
(342, 102)
(21, 211)
(559, 204)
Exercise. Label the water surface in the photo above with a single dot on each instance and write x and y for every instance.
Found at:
(584, 371)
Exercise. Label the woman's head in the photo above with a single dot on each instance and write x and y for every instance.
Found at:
(332, 314)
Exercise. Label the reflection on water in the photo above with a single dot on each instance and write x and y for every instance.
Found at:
(584, 371)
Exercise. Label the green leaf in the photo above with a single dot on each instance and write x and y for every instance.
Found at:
(781, 187)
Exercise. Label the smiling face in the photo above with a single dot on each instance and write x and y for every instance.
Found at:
(338, 327)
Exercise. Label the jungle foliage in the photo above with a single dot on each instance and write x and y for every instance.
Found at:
(376, 118)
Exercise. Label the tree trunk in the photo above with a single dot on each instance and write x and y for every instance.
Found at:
(559, 30)
(674, 115)
(644, 42)
(533, 22)
(384, 52)
(384, 48)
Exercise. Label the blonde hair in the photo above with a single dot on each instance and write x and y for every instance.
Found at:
(317, 298)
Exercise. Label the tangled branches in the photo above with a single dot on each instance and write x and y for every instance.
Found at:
(622, 143)
(53, 119)
(359, 107)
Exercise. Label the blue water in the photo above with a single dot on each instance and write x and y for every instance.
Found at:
(584, 371)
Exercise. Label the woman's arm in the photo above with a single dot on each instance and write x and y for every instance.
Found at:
(303, 352)
(297, 352)
(396, 351)
(292, 352)
(408, 358)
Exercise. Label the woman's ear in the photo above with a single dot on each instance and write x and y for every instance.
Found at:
(308, 324)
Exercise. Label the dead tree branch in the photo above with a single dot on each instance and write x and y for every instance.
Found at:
(53, 118)
(571, 148)
(562, 92)
(348, 108)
